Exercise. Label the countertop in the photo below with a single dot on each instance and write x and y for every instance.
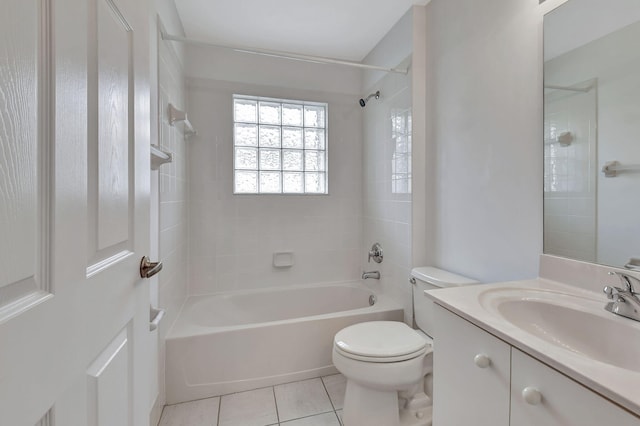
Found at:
(620, 385)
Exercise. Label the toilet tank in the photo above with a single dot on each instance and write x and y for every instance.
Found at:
(430, 278)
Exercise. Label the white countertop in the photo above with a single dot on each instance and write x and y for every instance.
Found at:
(620, 385)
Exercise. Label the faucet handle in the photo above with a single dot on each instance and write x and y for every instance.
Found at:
(375, 253)
(617, 293)
(609, 291)
(626, 280)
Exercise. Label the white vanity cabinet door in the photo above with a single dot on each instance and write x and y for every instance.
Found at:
(563, 402)
(471, 374)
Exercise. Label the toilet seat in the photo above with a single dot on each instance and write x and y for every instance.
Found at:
(380, 341)
(381, 360)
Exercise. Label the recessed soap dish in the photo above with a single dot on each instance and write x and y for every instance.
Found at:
(283, 259)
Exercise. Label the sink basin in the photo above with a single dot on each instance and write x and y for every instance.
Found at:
(573, 323)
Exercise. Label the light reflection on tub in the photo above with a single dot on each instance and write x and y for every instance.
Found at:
(247, 340)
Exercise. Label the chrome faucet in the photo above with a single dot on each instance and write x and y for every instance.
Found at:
(371, 274)
(626, 301)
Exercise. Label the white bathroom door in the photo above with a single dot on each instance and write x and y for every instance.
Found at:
(74, 211)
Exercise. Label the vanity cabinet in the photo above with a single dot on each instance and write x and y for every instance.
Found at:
(553, 399)
(471, 378)
(481, 380)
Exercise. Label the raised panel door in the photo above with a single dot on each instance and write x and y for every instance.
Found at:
(74, 207)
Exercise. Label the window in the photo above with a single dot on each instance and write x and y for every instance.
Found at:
(401, 159)
(280, 146)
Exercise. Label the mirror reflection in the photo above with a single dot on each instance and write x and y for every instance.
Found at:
(592, 132)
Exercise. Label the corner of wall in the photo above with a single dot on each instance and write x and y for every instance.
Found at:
(168, 86)
(390, 208)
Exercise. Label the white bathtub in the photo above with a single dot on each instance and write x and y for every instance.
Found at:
(239, 341)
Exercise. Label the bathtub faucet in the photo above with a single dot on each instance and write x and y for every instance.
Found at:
(371, 274)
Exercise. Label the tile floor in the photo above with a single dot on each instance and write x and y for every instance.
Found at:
(313, 402)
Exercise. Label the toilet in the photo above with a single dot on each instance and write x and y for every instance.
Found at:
(388, 364)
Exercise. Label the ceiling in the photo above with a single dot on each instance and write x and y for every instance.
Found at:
(342, 29)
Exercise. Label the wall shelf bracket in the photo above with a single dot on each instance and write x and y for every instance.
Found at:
(176, 115)
(159, 157)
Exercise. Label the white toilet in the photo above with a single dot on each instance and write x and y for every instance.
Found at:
(386, 362)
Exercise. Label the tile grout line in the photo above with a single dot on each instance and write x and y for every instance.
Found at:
(219, 409)
(275, 402)
(309, 416)
(330, 400)
(327, 392)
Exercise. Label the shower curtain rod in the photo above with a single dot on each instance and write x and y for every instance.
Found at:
(572, 89)
(283, 55)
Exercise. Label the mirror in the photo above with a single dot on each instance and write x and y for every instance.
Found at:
(592, 132)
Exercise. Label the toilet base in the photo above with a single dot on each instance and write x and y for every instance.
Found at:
(418, 411)
(366, 406)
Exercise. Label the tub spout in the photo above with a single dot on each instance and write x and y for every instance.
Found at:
(371, 274)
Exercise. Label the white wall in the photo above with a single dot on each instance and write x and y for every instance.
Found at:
(391, 51)
(484, 94)
(227, 65)
(233, 237)
(614, 60)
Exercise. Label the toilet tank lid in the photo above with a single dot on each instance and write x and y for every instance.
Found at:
(440, 277)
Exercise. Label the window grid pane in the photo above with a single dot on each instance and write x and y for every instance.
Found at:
(269, 113)
(245, 111)
(280, 146)
(246, 134)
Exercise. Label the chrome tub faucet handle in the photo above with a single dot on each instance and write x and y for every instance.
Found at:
(375, 253)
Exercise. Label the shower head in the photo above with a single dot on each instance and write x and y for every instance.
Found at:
(363, 102)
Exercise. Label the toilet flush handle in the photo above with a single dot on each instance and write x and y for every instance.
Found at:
(482, 360)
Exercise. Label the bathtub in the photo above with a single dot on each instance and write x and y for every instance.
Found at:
(239, 341)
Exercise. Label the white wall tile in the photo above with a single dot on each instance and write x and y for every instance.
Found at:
(241, 232)
(173, 195)
(386, 214)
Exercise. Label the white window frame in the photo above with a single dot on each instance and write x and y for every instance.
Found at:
(260, 149)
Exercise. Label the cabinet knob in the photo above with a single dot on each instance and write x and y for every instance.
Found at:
(531, 395)
(482, 360)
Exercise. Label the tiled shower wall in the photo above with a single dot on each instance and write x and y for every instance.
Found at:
(570, 175)
(233, 237)
(387, 185)
(173, 211)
